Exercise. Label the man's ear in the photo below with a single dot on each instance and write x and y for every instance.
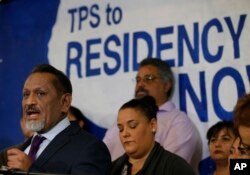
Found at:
(66, 102)
(168, 86)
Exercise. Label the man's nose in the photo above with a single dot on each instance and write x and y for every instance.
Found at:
(140, 82)
(31, 99)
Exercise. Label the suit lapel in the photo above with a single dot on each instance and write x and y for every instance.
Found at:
(25, 144)
(56, 144)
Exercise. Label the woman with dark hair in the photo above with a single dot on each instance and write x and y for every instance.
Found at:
(143, 156)
(220, 138)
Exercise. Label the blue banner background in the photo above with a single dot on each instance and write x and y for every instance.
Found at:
(96, 55)
(25, 29)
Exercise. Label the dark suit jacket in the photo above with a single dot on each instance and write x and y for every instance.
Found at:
(73, 151)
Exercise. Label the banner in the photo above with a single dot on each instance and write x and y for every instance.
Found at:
(98, 44)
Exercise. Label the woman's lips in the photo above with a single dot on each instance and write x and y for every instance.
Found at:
(218, 152)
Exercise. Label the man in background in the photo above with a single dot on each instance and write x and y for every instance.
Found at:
(176, 132)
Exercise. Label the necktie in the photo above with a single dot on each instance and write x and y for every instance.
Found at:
(35, 146)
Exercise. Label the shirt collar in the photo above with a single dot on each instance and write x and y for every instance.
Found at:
(56, 129)
(167, 106)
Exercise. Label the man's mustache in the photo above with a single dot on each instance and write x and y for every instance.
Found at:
(32, 109)
(141, 90)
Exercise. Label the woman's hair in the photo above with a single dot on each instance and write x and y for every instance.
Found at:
(146, 105)
(242, 112)
(216, 128)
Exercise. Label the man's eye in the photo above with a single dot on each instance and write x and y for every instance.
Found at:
(25, 94)
(137, 79)
(149, 78)
(40, 94)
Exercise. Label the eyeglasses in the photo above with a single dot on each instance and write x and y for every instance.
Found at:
(244, 150)
(147, 79)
